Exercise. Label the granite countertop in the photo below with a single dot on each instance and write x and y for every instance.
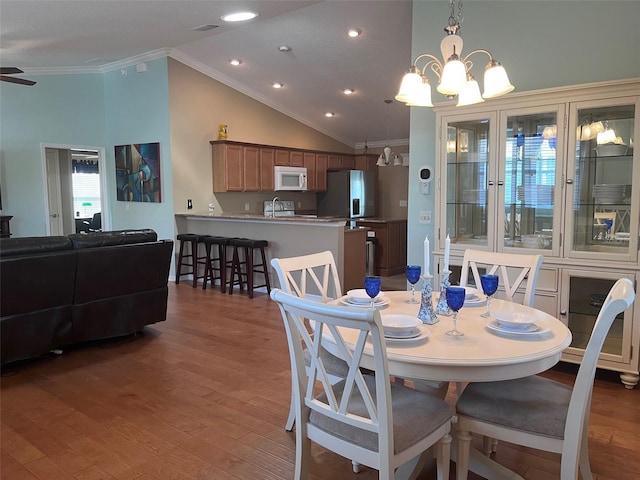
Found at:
(262, 218)
(293, 218)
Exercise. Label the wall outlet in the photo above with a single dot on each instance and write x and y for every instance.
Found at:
(425, 217)
(403, 203)
(247, 207)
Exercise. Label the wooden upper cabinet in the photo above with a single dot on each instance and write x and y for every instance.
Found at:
(296, 159)
(248, 167)
(341, 162)
(289, 158)
(251, 164)
(228, 171)
(321, 172)
(267, 161)
(282, 157)
(348, 162)
(334, 161)
(309, 159)
(367, 162)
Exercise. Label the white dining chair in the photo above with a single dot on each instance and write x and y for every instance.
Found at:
(537, 412)
(313, 276)
(514, 269)
(365, 418)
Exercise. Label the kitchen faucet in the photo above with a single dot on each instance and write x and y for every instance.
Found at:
(273, 205)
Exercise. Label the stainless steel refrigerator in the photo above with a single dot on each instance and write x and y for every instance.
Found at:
(350, 194)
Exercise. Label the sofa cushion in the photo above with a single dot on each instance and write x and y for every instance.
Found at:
(115, 237)
(10, 247)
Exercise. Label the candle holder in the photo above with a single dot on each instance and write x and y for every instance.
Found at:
(442, 308)
(426, 312)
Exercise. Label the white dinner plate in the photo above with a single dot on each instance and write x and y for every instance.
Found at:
(396, 324)
(471, 293)
(377, 303)
(424, 333)
(413, 333)
(359, 295)
(513, 320)
(533, 329)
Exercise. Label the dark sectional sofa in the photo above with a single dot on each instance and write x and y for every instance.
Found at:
(59, 291)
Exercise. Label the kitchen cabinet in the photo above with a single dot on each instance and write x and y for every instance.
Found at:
(236, 168)
(247, 167)
(228, 171)
(366, 162)
(321, 172)
(354, 258)
(290, 158)
(551, 172)
(391, 245)
(309, 161)
(341, 162)
(267, 162)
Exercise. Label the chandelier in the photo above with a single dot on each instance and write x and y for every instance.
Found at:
(455, 78)
(387, 157)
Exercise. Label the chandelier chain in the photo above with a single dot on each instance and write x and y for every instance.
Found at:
(453, 21)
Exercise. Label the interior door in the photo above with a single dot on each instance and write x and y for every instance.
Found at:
(54, 196)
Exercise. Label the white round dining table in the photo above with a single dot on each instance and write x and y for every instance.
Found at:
(482, 354)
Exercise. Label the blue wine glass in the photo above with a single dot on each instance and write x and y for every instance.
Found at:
(489, 287)
(609, 223)
(455, 300)
(372, 287)
(413, 275)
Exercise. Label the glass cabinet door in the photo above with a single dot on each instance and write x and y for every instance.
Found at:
(467, 144)
(531, 152)
(602, 201)
(583, 296)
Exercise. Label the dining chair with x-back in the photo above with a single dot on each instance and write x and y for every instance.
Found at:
(365, 418)
(540, 413)
(514, 270)
(312, 276)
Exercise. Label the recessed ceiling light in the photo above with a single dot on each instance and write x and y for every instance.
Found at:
(284, 48)
(348, 91)
(235, 62)
(329, 114)
(354, 32)
(278, 85)
(239, 16)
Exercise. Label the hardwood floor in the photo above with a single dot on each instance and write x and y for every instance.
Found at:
(205, 395)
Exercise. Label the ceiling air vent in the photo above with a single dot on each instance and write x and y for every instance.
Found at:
(203, 28)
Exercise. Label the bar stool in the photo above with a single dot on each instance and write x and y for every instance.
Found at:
(192, 257)
(216, 264)
(248, 246)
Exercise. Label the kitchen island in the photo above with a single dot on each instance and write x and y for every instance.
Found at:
(289, 237)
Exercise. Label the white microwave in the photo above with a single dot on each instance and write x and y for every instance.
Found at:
(290, 178)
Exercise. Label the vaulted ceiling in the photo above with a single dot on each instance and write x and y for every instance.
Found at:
(71, 36)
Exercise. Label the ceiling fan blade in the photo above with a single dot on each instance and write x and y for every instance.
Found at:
(20, 81)
(10, 70)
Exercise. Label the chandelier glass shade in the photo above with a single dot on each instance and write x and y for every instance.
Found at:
(454, 73)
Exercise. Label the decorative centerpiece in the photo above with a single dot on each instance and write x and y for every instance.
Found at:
(426, 312)
(442, 308)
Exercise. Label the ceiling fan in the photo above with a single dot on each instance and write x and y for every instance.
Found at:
(5, 71)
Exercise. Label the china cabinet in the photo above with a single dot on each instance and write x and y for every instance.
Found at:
(552, 172)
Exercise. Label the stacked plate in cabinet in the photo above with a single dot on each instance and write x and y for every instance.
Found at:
(610, 194)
